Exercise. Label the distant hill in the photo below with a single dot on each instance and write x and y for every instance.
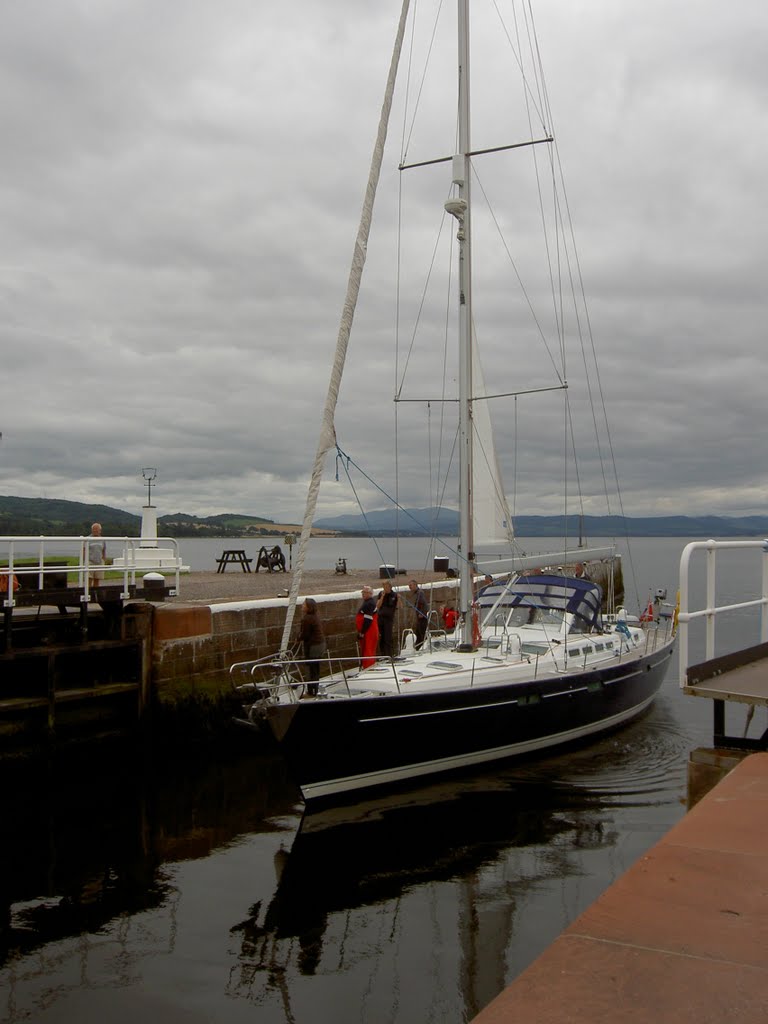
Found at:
(228, 524)
(57, 517)
(643, 526)
(410, 522)
(420, 522)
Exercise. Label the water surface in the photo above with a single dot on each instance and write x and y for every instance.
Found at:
(192, 889)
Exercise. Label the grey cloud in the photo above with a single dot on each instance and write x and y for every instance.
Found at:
(180, 192)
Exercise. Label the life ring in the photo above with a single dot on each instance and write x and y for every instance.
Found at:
(4, 582)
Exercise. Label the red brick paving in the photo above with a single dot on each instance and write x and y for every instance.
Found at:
(681, 937)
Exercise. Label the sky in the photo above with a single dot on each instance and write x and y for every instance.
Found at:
(180, 191)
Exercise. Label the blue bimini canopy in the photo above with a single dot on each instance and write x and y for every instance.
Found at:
(551, 593)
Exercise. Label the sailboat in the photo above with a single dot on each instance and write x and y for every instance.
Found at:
(533, 663)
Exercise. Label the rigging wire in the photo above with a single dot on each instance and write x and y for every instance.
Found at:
(328, 430)
(346, 461)
(425, 290)
(408, 131)
(537, 99)
(513, 264)
(561, 257)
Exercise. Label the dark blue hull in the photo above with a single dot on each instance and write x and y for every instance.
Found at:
(336, 746)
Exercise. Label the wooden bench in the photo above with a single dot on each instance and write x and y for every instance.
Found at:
(234, 557)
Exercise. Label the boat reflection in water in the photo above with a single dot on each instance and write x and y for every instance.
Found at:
(486, 843)
(128, 893)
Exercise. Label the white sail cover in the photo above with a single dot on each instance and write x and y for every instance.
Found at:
(492, 523)
(327, 429)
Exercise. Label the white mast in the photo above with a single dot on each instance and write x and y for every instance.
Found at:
(460, 209)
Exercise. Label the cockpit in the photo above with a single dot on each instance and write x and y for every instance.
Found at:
(543, 599)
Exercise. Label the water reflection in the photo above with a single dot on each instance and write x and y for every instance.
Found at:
(496, 837)
(157, 880)
(83, 846)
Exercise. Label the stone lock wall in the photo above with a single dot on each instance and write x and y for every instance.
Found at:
(193, 646)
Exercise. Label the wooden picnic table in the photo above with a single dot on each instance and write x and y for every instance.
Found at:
(234, 556)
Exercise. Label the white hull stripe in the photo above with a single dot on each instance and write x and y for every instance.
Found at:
(485, 707)
(390, 775)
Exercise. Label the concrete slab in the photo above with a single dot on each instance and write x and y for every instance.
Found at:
(581, 981)
(691, 902)
(682, 936)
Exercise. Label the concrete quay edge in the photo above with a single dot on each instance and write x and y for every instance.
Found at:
(681, 936)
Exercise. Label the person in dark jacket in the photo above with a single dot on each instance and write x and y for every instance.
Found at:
(367, 628)
(312, 637)
(386, 607)
(421, 611)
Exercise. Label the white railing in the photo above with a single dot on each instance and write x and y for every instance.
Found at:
(33, 552)
(711, 610)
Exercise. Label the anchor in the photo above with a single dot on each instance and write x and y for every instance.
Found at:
(272, 561)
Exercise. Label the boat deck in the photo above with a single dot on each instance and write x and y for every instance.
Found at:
(682, 936)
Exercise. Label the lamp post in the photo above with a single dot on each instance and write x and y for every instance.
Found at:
(290, 540)
(148, 513)
(149, 473)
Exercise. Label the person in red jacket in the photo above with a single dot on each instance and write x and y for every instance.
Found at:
(450, 618)
(367, 628)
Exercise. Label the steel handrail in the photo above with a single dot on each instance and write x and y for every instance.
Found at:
(83, 567)
(711, 610)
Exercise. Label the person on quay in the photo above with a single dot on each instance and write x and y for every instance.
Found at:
(421, 612)
(386, 607)
(97, 554)
(367, 628)
(312, 637)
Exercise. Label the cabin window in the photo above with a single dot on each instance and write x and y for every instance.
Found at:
(599, 647)
(446, 666)
(579, 626)
(589, 650)
(549, 617)
(521, 616)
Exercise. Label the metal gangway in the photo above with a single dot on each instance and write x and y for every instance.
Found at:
(740, 676)
(57, 571)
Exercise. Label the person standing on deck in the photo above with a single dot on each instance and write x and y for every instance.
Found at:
(421, 609)
(367, 628)
(312, 637)
(450, 617)
(386, 606)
